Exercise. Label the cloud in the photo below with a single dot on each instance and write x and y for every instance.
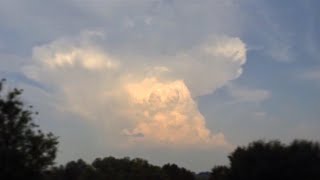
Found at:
(85, 58)
(211, 65)
(246, 94)
(281, 52)
(151, 105)
(313, 75)
(164, 111)
(260, 114)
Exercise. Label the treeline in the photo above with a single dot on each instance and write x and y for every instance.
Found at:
(117, 169)
(260, 160)
(28, 153)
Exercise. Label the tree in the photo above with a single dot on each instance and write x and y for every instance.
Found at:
(220, 173)
(273, 160)
(126, 168)
(25, 151)
(176, 173)
(118, 169)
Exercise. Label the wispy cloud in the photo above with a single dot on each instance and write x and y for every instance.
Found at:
(247, 94)
(313, 75)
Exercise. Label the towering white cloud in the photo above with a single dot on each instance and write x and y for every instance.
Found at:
(165, 112)
(152, 104)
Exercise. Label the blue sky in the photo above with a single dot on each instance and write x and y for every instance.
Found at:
(166, 80)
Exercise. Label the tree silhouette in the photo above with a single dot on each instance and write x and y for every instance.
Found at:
(125, 168)
(174, 172)
(25, 151)
(118, 169)
(220, 173)
(272, 160)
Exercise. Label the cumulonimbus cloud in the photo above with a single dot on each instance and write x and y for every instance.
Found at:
(165, 112)
(152, 104)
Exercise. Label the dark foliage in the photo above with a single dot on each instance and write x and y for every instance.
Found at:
(112, 168)
(272, 160)
(175, 172)
(203, 176)
(75, 170)
(25, 151)
(220, 173)
(118, 169)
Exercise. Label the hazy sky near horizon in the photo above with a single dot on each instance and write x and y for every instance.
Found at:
(179, 81)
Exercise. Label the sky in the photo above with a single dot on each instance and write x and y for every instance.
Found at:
(170, 81)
